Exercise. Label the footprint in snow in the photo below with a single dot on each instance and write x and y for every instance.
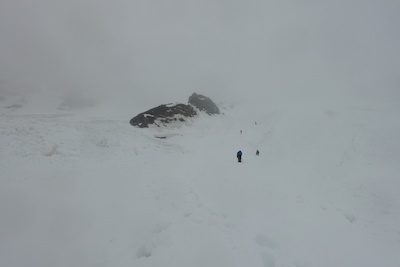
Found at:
(350, 217)
(143, 252)
(268, 260)
(160, 227)
(264, 241)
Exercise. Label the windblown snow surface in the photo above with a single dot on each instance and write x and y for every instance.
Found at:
(84, 190)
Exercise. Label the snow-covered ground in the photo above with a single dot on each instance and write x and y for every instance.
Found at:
(89, 190)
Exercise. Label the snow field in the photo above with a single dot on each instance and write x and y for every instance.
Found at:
(84, 191)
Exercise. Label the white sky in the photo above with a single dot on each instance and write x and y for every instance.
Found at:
(153, 52)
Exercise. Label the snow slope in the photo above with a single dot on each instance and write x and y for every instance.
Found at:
(80, 190)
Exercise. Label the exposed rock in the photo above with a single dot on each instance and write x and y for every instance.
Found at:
(203, 103)
(163, 115)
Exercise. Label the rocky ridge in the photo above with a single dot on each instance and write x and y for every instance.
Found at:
(167, 114)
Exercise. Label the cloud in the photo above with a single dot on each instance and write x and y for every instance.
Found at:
(160, 51)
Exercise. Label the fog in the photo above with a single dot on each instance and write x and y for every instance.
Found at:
(138, 54)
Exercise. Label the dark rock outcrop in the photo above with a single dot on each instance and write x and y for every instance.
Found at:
(167, 114)
(163, 115)
(203, 103)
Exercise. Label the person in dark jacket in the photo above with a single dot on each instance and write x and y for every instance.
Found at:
(239, 156)
(257, 152)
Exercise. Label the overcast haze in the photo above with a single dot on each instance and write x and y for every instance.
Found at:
(312, 85)
(153, 52)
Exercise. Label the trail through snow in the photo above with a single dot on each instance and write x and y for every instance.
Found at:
(85, 191)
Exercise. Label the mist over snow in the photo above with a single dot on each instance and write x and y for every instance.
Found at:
(87, 191)
(312, 85)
